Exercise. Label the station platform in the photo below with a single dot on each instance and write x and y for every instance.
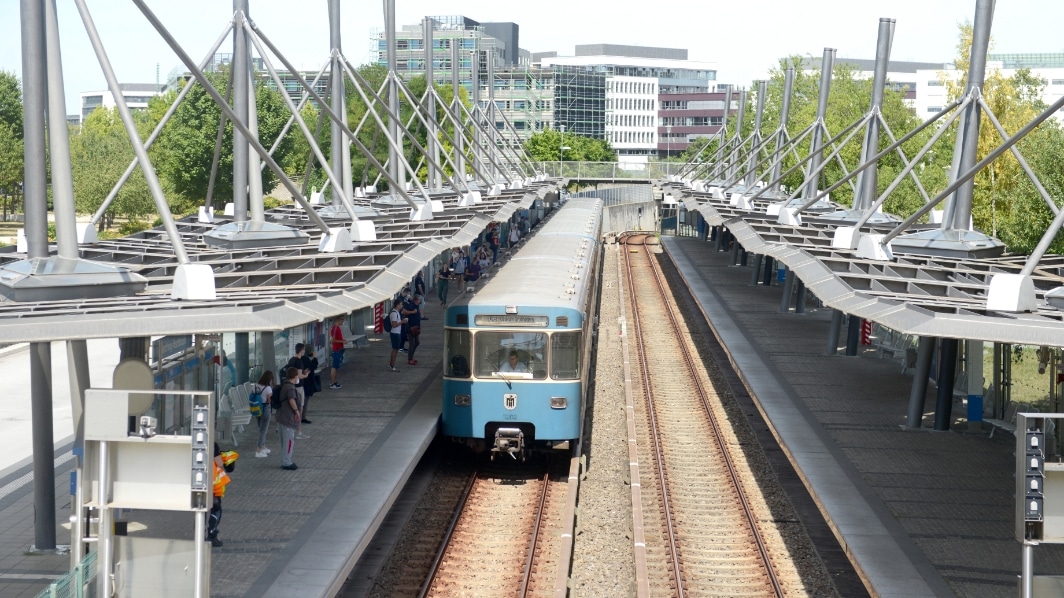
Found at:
(285, 533)
(921, 513)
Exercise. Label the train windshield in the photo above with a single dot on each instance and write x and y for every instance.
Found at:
(565, 355)
(521, 353)
(456, 345)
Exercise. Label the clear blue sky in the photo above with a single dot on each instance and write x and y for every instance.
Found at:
(744, 38)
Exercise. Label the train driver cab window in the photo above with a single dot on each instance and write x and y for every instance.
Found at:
(514, 355)
(456, 351)
(565, 355)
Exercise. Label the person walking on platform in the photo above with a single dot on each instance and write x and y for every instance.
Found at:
(265, 389)
(396, 334)
(288, 417)
(336, 340)
(443, 281)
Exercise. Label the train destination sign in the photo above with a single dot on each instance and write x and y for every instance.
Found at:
(511, 320)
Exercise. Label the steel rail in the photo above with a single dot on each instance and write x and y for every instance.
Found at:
(526, 577)
(658, 451)
(435, 568)
(703, 395)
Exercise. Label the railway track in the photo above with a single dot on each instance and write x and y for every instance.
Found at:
(703, 535)
(511, 533)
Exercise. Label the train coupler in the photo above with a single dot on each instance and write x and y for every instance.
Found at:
(509, 441)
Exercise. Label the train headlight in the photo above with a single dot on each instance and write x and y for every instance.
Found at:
(462, 400)
(558, 403)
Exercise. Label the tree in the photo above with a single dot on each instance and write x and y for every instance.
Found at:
(547, 147)
(11, 142)
(100, 151)
(11, 102)
(1002, 186)
(184, 150)
(849, 101)
(11, 168)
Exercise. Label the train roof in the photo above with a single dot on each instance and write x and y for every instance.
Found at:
(552, 268)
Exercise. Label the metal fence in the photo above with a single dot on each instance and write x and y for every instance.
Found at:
(78, 583)
(610, 170)
(621, 194)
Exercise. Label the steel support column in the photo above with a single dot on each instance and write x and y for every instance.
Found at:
(241, 95)
(853, 336)
(947, 368)
(242, 362)
(755, 272)
(924, 356)
(833, 332)
(43, 446)
(78, 374)
(785, 302)
(269, 356)
(799, 298)
(35, 98)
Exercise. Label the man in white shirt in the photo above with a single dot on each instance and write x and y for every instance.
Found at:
(512, 365)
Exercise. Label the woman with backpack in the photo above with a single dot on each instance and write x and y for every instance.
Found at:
(264, 388)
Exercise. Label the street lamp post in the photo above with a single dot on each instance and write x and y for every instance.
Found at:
(668, 145)
(561, 148)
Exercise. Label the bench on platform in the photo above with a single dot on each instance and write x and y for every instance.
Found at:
(239, 414)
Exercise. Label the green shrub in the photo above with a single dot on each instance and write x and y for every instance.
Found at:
(131, 227)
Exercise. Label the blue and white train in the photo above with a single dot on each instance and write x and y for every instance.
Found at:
(517, 351)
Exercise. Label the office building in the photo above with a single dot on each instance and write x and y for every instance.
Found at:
(136, 95)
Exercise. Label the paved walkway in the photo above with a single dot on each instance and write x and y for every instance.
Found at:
(286, 533)
(940, 502)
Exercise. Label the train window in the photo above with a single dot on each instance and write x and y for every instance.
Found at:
(493, 351)
(565, 355)
(456, 351)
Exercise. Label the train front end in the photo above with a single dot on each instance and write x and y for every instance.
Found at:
(513, 377)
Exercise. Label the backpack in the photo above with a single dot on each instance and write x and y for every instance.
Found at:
(275, 398)
(388, 322)
(255, 401)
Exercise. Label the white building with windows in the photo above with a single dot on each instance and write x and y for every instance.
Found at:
(137, 96)
(637, 77)
(932, 95)
(632, 114)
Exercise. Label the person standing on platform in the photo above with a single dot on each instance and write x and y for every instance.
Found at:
(265, 389)
(408, 303)
(443, 281)
(493, 242)
(515, 235)
(396, 334)
(296, 363)
(412, 311)
(288, 417)
(336, 342)
(312, 382)
(460, 269)
(472, 273)
(221, 479)
(419, 290)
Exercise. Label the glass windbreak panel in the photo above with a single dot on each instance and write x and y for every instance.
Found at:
(511, 355)
(456, 345)
(565, 355)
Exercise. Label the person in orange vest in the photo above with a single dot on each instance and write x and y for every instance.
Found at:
(223, 462)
